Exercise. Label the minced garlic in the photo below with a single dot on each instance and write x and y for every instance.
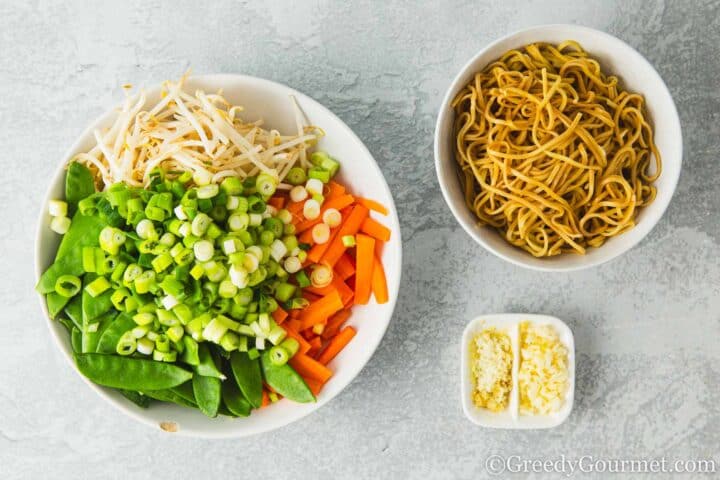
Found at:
(491, 359)
(543, 370)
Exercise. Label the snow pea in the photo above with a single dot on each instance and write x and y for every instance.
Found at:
(285, 380)
(185, 390)
(55, 303)
(234, 400)
(74, 310)
(168, 395)
(137, 398)
(93, 307)
(207, 394)
(206, 364)
(248, 377)
(90, 339)
(116, 328)
(190, 352)
(130, 373)
(76, 340)
(67, 323)
(78, 183)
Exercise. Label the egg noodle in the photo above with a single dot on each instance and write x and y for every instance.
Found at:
(202, 133)
(553, 153)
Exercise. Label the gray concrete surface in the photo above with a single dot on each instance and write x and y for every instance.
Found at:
(646, 325)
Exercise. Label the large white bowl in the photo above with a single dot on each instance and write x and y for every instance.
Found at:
(636, 74)
(262, 99)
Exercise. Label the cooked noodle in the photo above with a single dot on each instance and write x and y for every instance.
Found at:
(553, 152)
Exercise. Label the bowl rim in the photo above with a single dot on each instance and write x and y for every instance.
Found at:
(443, 112)
(393, 284)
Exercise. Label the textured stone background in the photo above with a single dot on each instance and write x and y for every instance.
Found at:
(646, 325)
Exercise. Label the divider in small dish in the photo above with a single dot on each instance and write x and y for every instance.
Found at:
(511, 418)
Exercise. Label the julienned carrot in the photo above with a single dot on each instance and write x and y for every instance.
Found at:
(337, 203)
(379, 282)
(379, 248)
(336, 345)
(350, 226)
(310, 368)
(309, 296)
(279, 315)
(345, 267)
(334, 189)
(337, 285)
(319, 249)
(306, 237)
(315, 346)
(375, 229)
(265, 399)
(320, 310)
(365, 253)
(277, 202)
(314, 385)
(304, 345)
(373, 205)
(334, 323)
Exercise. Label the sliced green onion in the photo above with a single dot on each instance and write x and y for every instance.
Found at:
(131, 273)
(183, 313)
(200, 224)
(146, 229)
(298, 193)
(332, 217)
(179, 212)
(277, 334)
(57, 208)
(144, 318)
(111, 239)
(162, 343)
(230, 341)
(320, 233)
(162, 262)
(127, 344)
(314, 186)
(144, 282)
(255, 219)
(168, 239)
(227, 289)
(160, 356)
(60, 225)
(88, 259)
(266, 184)
(213, 231)
(238, 221)
(214, 330)
(321, 276)
(232, 185)
(253, 354)
(290, 345)
(215, 272)
(297, 303)
(145, 346)
(166, 317)
(175, 333)
(284, 216)
(324, 161)
(259, 343)
(204, 250)
(208, 191)
(197, 271)
(97, 286)
(319, 173)
(68, 285)
(348, 240)
(295, 176)
(278, 356)
(311, 209)
(140, 331)
(118, 298)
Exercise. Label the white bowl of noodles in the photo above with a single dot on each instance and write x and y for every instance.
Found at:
(636, 75)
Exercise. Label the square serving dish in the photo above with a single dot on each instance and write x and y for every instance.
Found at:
(510, 417)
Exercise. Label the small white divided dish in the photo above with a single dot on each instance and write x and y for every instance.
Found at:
(510, 418)
(269, 101)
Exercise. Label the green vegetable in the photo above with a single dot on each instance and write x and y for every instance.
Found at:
(206, 364)
(142, 401)
(56, 303)
(130, 373)
(92, 331)
(79, 183)
(285, 381)
(234, 399)
(207, 394)
(248, 376)
(113, 332)
(169, 395)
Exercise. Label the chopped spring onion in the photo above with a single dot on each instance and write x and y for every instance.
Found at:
(277, 334)
(67, 285)
(111, 239)
(127, 344)
(162, 262)
(279, 356)
(97, 286)
(180, 213)
(60, 225)
(311, 209)
(255, 219)
(144, 318)
(292, 264)
(324, 161)
(319, 173)
(214, 330)
(145, 346)
(146, 229)
(332, 217)
(348, 241)
(197, 271)
(208, 191)
(238, 221)
(296, 176)
(203, 250)
(266, 184)
(57, 208)
(290, 345)
(232, 203)
(185, 229)
(144, 282)
(298, 193)
(162, 343)
(284, 216)
(321, 233)
(314, 186)
(160, 356)
(169, 302)
(200, 224)
(277, 250)
(321, 276)
(227, 289)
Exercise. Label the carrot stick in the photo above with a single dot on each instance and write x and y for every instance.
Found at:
(350, 226)
(279, 315)
(309, 368)
(363, 277)
(265, 399)
(373, 205)
(345, 267)
(315, 346)
(306, 237)
(337, 203)
(337, 285)
(379, 282)
(319, 310)
(291, 332)
(336, 345)
(310, 297)
(375, 229)
(277, 202)
(315, 385)
(334, 189)
(334, 323)
(319, 249)
(379, 248)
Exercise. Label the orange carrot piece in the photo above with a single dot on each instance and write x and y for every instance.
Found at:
(334, 323)
(314, 385)
(336, 345)
(345, 267)
(277, 202)
(265, 399)
(308, 367)
(334, 189)
(320, 310)
(291, 332)
(309, 296)
(379, 248)
(365, 252)
(373, 205)
(337, 285)
(315, 346)
(379, 282)
(337, 203)
(279, 315)
(350, 226)
(375, 229)
(306, 237)
(319, 249)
